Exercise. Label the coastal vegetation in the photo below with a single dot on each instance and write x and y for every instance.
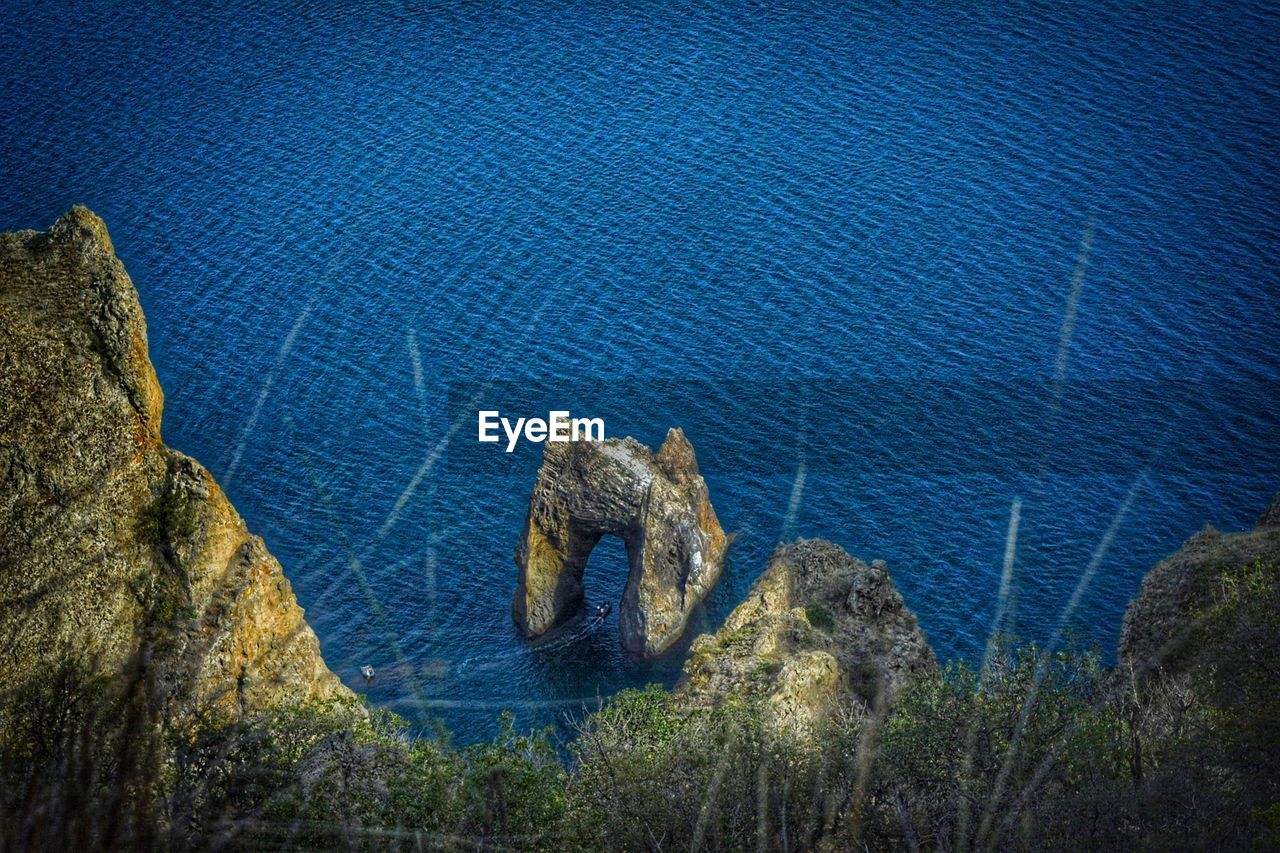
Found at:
(163, 691)
(1036, 750)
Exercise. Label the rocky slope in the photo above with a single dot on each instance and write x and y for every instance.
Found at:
(817, 630)
(1159, 633)
(110, 541)
(656, 503)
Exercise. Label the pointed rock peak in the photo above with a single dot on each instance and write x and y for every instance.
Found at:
(218, 624)
(677, 458)
(80, 224)
(67, 283)
(1270, 518)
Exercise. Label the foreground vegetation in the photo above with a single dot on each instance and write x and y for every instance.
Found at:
(1034, 751)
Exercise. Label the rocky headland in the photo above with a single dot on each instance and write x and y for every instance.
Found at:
(819, 630)
(114, 548)
(1163, 634)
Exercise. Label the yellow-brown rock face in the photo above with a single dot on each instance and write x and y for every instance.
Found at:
(110, 542)
(819, 630)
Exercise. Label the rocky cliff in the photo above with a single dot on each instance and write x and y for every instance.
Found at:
(1159, 634)
(110, 542)
(656, 503)
(818, 629)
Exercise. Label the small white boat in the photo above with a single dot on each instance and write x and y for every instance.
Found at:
(367, 672)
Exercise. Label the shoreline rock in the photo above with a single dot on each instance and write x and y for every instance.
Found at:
(1158, 631)
(819, 629)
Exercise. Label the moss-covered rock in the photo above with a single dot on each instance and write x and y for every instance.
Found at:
(1163, 625)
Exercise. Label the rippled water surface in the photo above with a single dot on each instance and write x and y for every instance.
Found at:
(890, 265)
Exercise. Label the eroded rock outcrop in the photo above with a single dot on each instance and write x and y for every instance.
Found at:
(818, 629)
(656, 503)
(1159, 631)
(111, 542)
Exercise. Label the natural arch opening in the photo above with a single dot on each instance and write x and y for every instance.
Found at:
(607, 572)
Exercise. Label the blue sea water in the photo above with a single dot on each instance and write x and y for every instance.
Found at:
(891, 266)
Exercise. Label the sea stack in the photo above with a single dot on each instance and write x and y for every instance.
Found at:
(656, 503)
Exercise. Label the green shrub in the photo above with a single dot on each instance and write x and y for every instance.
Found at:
(820, 618)
(1038, 751)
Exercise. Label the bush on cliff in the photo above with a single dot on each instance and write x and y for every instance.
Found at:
(84, 764)
(648, 775)
(1205, 728)
(327, 778)
(986, 760)
(983, 760)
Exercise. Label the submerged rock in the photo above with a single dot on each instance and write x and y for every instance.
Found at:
(656, 503)
(817, 630)
(110, 542)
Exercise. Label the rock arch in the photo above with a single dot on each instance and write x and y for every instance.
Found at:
(656, 503)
